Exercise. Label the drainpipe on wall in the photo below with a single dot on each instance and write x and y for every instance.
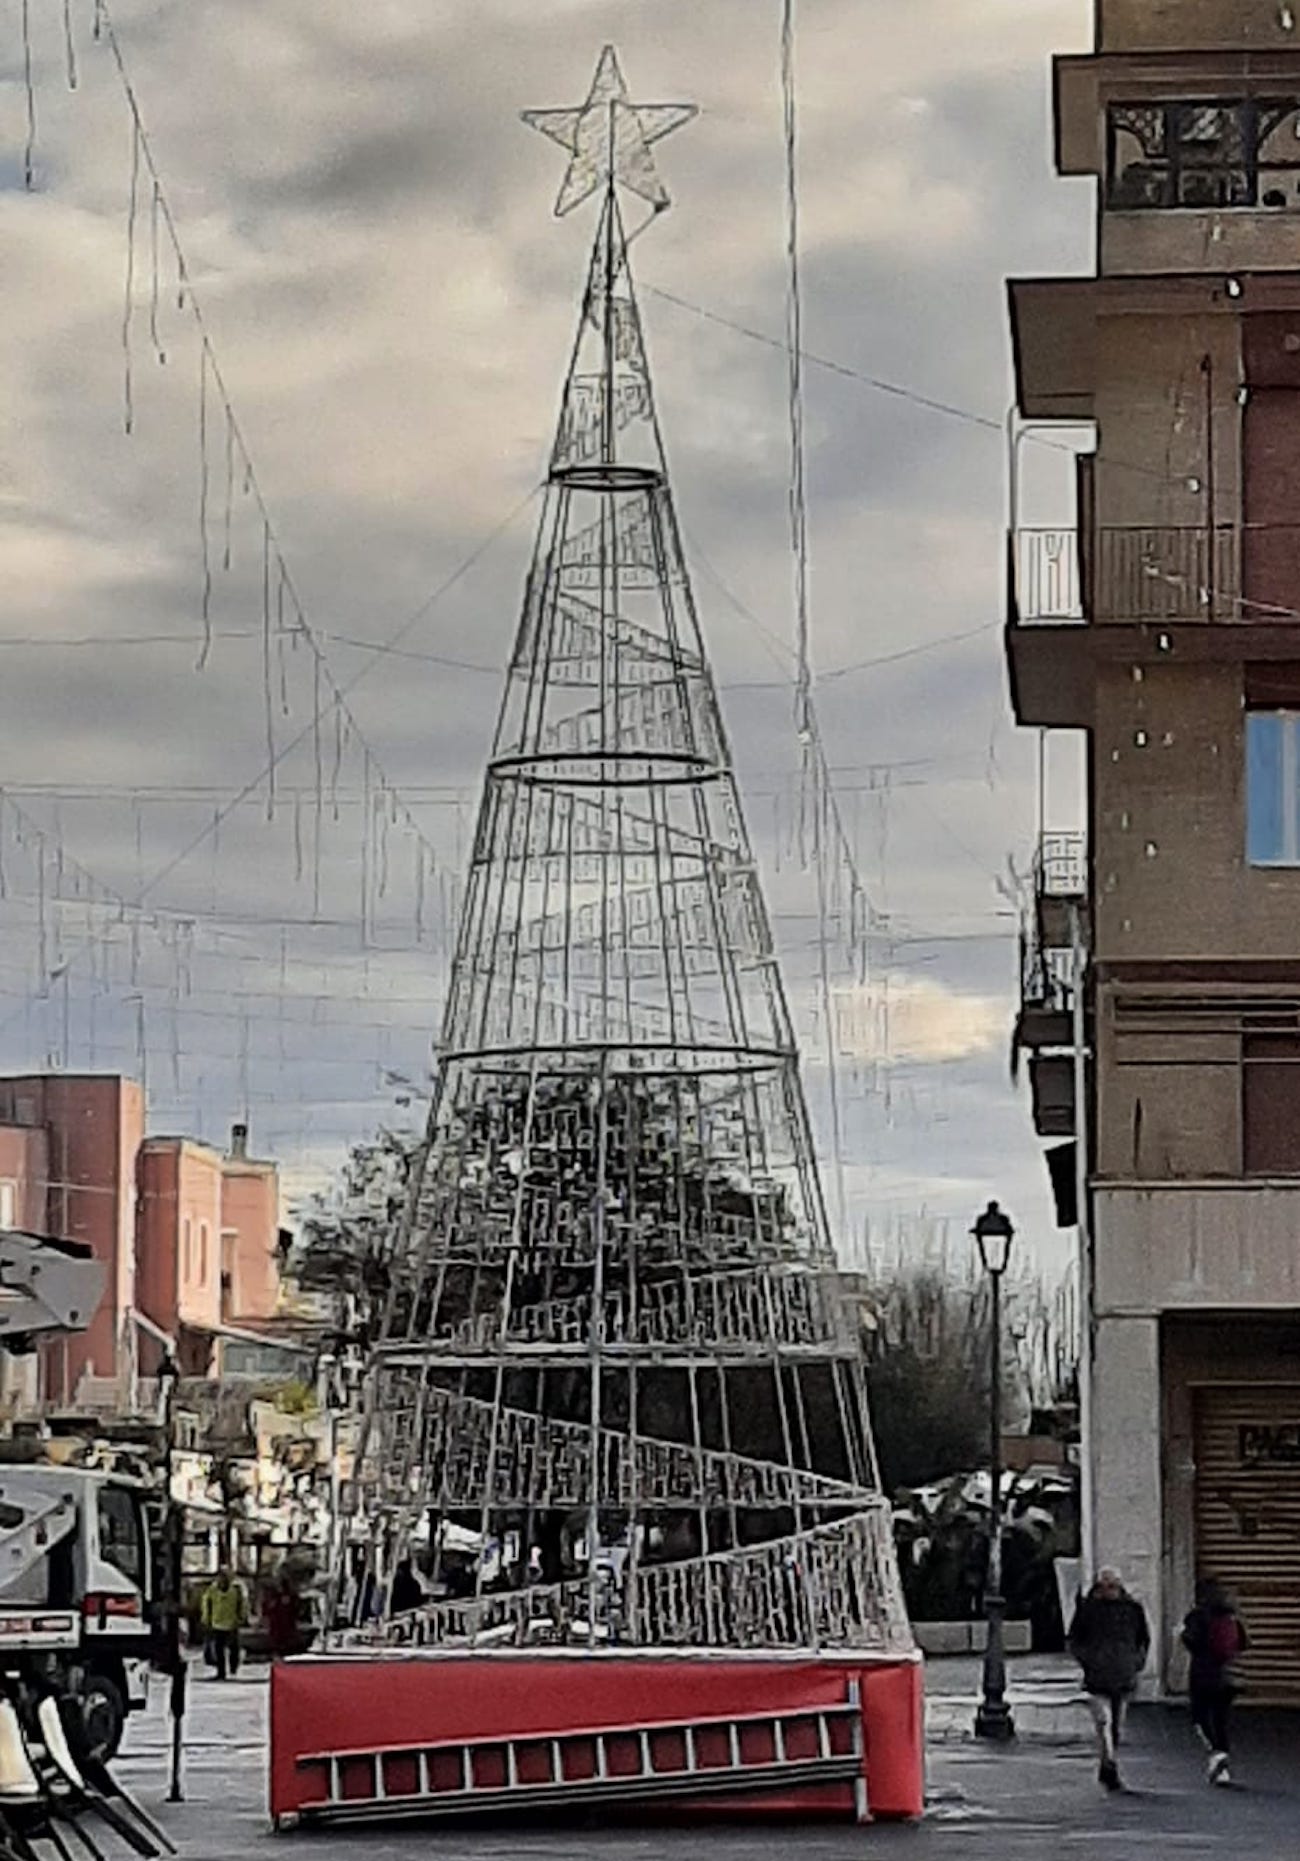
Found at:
(1087, 1496)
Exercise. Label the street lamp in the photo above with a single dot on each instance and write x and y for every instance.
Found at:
(994, 1234)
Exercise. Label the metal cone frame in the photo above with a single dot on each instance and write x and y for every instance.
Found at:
(619, 1398)
(617, 1411)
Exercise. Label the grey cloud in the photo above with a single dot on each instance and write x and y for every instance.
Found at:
(393, 307)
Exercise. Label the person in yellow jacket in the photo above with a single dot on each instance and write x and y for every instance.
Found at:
(224, 1613)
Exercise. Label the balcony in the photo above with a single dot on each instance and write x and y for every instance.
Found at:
(1045, 1026)
(1127, 590)
(1061, 888)
(1047, 958)
(1134, 573)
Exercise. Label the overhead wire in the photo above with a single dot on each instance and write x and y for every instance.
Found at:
(916, 397)
(143, 154)
(881, 386)
(147, 886)
(29, 87)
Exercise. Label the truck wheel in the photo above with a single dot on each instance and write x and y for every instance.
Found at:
(103, 1714)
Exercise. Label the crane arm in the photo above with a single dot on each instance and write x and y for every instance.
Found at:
(45, 1285)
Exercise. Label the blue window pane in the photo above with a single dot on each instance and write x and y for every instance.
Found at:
(1265, 804)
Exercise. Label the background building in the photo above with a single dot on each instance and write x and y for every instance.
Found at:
(72, 1140)
(191, 1237)
(179, 1242)
(1163, 622)
(251, 1250)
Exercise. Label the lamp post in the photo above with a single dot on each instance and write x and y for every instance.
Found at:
(174, 1559)
(994, 1234)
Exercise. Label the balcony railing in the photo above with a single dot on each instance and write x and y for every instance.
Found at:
(1060, 881)
(1047, 585)
(1061, 865)
(1046, 976)
(1149, 573)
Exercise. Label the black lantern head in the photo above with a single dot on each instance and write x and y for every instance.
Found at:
(993, 1235)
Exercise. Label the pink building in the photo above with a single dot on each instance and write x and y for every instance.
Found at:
(206, 1240)
(189, 1236)
(250, 1232)
(24, 1177)
(178, 1245)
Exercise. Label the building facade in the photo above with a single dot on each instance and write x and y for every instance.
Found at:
(1161, 998)
(189, 1236)
(208, 1228)
(179, 1246)
(250, 1234)
(72, 1139)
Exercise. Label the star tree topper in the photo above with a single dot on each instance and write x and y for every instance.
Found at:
(609, 137)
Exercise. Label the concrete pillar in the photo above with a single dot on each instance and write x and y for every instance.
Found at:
(1126, 1459)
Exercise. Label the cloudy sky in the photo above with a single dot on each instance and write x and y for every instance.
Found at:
(368, 234)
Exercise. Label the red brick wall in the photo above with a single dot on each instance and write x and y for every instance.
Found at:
(179, 1231)
(92, 1124)
(24, 1162)
(157, 1254)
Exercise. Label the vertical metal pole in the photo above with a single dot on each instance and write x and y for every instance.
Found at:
(607, 425)
(993, 1718)
(995, 1441)
(1083, 1211)
(597, 1342)
(1211, 494)
(174, 1537)
(336, 1494)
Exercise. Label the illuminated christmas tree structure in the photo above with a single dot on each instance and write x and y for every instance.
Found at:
(618, 1397)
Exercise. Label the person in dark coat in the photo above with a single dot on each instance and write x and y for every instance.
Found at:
(1110, 1639)
(280, 1614)
(1214, 1636)
(408, 1592)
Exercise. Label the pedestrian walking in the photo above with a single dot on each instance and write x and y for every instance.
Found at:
(280, 1614)
(1214, 1636)
(1110, 1639)
(225, 1611)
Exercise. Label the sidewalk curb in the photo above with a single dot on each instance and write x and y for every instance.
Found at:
(950, 1721)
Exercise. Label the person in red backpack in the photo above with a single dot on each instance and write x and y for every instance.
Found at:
(1214, 1636)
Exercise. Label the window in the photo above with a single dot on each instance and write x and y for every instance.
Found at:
(1270, 1104)
(1204, 154)
(203, 1253)
(187, 1251)
(1273, 788)
(8, 1203)
(121, 1539)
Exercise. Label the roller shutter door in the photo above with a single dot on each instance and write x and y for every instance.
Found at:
(1248, 1523)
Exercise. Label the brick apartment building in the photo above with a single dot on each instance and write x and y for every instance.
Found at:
(190, 1236)
(1162, 621)
(207, 1232)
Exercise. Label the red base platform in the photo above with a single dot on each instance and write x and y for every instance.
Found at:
(361, 1737)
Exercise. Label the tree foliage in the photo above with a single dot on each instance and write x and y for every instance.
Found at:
(927, 1377)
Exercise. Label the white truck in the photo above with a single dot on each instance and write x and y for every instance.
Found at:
(77, 1558)
(76, 1582)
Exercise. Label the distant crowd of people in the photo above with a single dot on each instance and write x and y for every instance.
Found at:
(1110, 1638)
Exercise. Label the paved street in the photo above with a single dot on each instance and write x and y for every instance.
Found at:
(1036, 1801)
